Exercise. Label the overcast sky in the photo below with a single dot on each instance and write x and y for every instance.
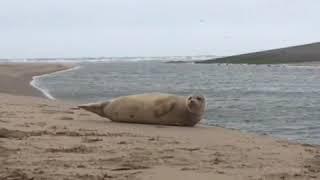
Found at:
(75, 28)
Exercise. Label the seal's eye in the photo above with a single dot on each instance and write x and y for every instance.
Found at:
(189, 98)
(199, 98)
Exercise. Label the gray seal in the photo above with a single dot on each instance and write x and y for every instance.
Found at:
(152, 108)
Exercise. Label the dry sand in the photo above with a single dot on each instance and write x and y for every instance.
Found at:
(44, 139)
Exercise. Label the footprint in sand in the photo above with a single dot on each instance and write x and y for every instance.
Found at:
(51, 111)
(76, 149)
(6, 133)
(91, 139)
(82, 114)
(130, 166)
(3, 121)
(5, 152)
(16, 174)
(189, 149)
(66, 118)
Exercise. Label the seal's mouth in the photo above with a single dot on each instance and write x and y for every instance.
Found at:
(193, 107)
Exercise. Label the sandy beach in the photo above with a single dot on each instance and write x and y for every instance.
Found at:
(45, 139)
(15, 78)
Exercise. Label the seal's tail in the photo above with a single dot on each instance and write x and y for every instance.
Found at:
(96, 108)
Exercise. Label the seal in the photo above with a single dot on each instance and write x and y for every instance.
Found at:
(152, 108)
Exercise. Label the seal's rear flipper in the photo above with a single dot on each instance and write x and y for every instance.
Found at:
(75, 108)
(93, 107)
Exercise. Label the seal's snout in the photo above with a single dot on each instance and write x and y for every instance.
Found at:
(196, 104)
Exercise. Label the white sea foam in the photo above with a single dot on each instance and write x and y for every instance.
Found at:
(310, 66)
(35, 81)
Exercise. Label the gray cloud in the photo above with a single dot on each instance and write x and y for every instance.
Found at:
(57, 28)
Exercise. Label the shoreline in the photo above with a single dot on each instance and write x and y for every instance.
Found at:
(46, 92)
(16, 77)
(45, 139)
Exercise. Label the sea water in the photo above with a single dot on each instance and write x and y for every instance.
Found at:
(278, 100)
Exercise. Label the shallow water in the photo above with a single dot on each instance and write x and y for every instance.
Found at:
(279, 100)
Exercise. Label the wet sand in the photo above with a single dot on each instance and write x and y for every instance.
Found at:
(15, 77)
(44, 139)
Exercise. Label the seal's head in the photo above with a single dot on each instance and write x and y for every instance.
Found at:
(96, 108)
(196, 104)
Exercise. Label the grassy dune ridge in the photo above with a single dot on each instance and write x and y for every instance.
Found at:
(294, 54)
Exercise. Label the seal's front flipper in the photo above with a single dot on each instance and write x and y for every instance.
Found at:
(163, 106)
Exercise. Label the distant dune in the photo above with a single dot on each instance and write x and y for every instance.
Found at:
(294, 54)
